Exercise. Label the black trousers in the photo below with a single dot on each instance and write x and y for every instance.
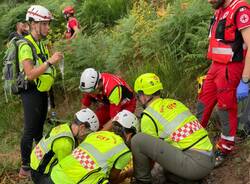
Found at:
(35, 105)
(39, 178)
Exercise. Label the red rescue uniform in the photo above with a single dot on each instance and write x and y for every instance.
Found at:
(70, 25)
(116, 95)
(227, 52)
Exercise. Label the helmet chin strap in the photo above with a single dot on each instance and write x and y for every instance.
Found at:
(40, 33)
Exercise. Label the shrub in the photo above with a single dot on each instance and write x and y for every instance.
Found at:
(10, 17)
(104, 11)
(173, 46)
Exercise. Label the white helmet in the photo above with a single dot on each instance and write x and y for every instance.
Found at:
(89, 80)
(127, 119)
(38, 13)
(87, 115)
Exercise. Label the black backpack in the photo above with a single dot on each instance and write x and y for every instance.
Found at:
(14, 79)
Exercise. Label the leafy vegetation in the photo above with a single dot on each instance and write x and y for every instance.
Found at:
(119, 36)
(103, 11)
(172, 45)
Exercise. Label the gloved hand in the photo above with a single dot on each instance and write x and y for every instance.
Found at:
(242, 90)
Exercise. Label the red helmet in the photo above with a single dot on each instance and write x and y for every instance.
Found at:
(68, 10)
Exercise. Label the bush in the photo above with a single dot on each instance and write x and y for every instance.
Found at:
(104, 11)
(10, 17)
(186, 32)
(173, 47)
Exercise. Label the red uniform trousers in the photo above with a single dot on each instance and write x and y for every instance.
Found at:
(220, 87)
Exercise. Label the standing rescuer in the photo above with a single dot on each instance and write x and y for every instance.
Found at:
(73, 27)
(22, 29)
(59, 143)
(39, 73)
(170, 135)
(229, 40)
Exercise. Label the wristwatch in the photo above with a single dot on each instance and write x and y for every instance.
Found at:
(48, 63)
(245, 80)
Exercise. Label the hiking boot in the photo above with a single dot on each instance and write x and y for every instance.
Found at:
(219, 158)
(24, 172)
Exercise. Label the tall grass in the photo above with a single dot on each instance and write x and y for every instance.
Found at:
(120, 40)
(10, 132)
(173, 46)
(104, 11)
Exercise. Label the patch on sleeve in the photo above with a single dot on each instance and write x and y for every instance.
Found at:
(244, 18)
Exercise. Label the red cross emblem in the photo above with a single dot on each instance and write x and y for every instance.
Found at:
(244, 18)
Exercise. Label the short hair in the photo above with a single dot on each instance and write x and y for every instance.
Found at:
(120, 130)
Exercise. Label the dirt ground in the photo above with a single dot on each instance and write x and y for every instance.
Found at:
(236, 170)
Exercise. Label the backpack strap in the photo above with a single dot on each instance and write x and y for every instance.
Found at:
(16, 43)
(33, 49)
(34, 54)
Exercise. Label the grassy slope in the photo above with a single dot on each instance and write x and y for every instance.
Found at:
(119, 51)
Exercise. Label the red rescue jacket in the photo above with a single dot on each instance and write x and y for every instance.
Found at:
(70, 31)
(111, 81)
(226, 43)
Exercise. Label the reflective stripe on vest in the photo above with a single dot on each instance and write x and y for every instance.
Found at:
(101, 158)
(169, 127)
(44, 143)
(177, 125)
(42, 156)
(225, 51)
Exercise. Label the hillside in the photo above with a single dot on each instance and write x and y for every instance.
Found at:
(168, 38)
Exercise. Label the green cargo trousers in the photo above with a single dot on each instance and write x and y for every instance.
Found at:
(189, 164)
